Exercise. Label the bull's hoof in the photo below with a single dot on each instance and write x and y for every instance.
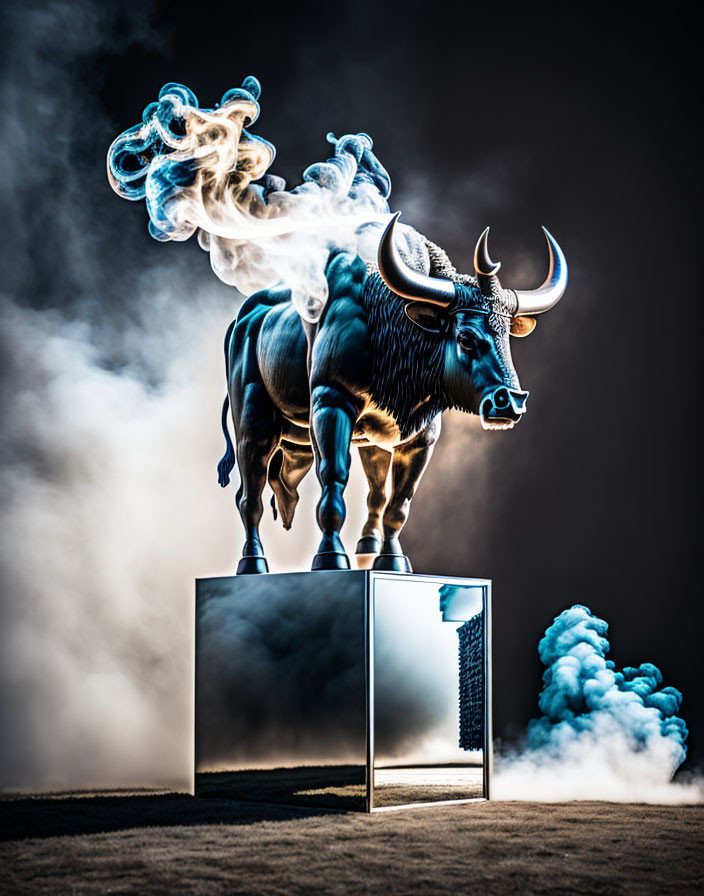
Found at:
(392, 563)
(368, 544)
(331, 560)
(252, 566)
(367, 550)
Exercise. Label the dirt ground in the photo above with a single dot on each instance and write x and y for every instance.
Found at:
(170, 844)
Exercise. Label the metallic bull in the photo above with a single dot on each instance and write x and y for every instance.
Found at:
(393, 350)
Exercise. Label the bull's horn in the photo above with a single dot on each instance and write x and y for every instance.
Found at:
(406, 282)
(485, 269)
(535, 301)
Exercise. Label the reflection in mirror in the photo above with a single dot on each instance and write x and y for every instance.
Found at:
(429, 644)
(280, 698)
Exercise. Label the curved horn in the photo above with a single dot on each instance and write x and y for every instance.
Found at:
(535, 301)
(485, 269)
(406, 282)
(482, 263)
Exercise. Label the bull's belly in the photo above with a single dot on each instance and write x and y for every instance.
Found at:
(374, 427)
(281, 356)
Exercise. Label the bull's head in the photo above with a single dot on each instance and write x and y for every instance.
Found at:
(475, 315)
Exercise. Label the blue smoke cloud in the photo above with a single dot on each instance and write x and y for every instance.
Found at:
(603, 733)
(580, 683)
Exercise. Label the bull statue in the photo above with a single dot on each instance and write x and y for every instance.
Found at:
(395, 347)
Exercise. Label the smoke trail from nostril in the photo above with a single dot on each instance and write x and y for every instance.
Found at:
(603, 733)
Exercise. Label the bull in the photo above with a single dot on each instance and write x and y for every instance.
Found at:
(396, 346)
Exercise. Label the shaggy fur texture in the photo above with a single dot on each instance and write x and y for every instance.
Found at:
(407, 362)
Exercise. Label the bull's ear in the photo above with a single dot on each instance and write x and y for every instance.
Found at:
(427, 317)
(523, 326)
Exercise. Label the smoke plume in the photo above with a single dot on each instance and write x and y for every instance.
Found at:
(201, 170)
(604, 733)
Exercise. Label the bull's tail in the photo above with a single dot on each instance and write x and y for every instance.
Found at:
(227, 461)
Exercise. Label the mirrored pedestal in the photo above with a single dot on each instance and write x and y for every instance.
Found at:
(343, 689)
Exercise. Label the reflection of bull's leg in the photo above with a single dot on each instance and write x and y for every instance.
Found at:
(410, 460)
(375, 462)
(333, 415)
(287, 468)
(258, 432)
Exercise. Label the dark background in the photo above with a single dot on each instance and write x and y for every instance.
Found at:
(578, 116)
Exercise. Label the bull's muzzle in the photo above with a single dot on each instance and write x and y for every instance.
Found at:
(501, 407)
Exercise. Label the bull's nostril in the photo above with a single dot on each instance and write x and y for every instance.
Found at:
(501, 398)
(487, 407)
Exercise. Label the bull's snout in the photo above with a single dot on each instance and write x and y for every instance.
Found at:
(501, 407)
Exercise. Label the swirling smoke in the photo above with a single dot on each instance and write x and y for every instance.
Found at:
(604, 733)
(201, 170)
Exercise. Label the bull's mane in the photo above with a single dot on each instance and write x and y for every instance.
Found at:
(407, 362)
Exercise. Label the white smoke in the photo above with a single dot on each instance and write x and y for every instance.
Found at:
(112, 511)
(604, 734)
(199, 170)
(100, 548)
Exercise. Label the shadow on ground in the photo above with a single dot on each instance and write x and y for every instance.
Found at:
(231, 798)
(43, 817)
(321, 786)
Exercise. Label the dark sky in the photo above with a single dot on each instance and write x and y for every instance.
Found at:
(580, 117)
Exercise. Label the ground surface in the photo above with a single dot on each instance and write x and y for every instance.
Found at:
(172, 844)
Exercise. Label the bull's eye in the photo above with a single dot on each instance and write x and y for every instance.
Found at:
(467, 342)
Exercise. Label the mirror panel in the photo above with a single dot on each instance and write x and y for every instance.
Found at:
(280, 689)
(430, 682)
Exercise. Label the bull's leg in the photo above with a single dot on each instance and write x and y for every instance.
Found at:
(258, 433)
(375, 462)
(287, 469)
(409, 462)
(333, 415)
